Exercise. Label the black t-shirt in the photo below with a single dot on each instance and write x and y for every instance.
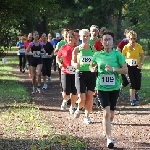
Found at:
(48, 48)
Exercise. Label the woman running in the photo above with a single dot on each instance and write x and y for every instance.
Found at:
(67, 72)
(84, 79)
(28, 57)
(134, 57)
(47, 60)
(21, 53)
(110, 64)
(34, 49)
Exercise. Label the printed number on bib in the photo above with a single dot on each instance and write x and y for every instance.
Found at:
(132, 62)
(22, 51)
(86, 59)
(70, 70)
(106, 79)
(37, 54)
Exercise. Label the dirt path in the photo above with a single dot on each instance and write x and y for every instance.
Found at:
(130, 130)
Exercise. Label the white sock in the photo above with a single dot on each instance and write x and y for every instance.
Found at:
(64, 102)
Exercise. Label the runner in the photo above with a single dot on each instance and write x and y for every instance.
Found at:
(94, 34)
(77, 37)
(21, 53)
(49, 37)
(59, 45)
(34, 49)
(84, 79)
(54, 42)
(98, 45)
(134, 57)
(110, 63)
(67, 72)
(26, 44)
(47, 60)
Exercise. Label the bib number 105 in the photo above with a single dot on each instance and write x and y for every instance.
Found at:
(107, 80)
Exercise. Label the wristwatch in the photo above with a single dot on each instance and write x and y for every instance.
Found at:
(113, 69)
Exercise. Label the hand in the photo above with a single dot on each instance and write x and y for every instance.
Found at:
(108, 68)
(60, 65)
(93, 69)
(139, 66)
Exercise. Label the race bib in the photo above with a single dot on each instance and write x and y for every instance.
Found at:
(36, 54)
(43, 55)
(106, 79)
(71, 70)
(85, 59)
(22, 50)
(132, 62)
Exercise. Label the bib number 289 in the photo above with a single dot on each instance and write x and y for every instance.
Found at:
(107, 80)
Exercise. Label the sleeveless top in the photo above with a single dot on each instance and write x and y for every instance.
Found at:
(84, 58)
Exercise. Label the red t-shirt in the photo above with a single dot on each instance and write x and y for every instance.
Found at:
(122, 44)
(98, 45)
(26, 44)
(65, 52)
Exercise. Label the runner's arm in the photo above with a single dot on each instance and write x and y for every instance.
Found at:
(74, 56)
(28, 51)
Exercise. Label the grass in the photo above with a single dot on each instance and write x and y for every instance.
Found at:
(10, 89)
(144, 92)
(22, 124)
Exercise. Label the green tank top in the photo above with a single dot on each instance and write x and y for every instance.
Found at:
(84, 58)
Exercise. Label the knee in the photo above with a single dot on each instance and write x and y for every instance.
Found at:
(106, 114)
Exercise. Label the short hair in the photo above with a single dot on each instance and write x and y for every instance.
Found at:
(132, 33)
(84, 30)
(127, 30)
(76, 30)
(109, 33)
(70, 32)
(94, 27)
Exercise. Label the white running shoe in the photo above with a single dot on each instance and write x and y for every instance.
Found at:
(110, 143)
(45, 86)
(77, 114)
(63, 106)
(71, 110)
(87, 120)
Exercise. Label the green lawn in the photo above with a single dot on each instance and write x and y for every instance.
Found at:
(22, 124)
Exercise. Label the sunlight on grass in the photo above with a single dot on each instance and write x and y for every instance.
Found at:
(22, 122)
(10, 90)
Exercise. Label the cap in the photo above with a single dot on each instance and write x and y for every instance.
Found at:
(57, 35)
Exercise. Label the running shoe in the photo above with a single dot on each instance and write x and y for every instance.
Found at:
(110, 143)
(133, 103)
(34, 90)
(137, 96)
(87, 120)
(45, 86)
(40, 90)
(71, 110)
(63, 106)
(77, 114)
(30, 75)
(23, 71)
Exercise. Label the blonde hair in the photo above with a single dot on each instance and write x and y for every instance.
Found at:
(132, 33)
(84, 30)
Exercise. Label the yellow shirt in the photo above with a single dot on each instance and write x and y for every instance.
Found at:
(133, 54)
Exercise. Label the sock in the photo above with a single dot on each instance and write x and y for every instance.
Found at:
(64, 102)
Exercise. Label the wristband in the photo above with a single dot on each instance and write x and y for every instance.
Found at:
(113, 69)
